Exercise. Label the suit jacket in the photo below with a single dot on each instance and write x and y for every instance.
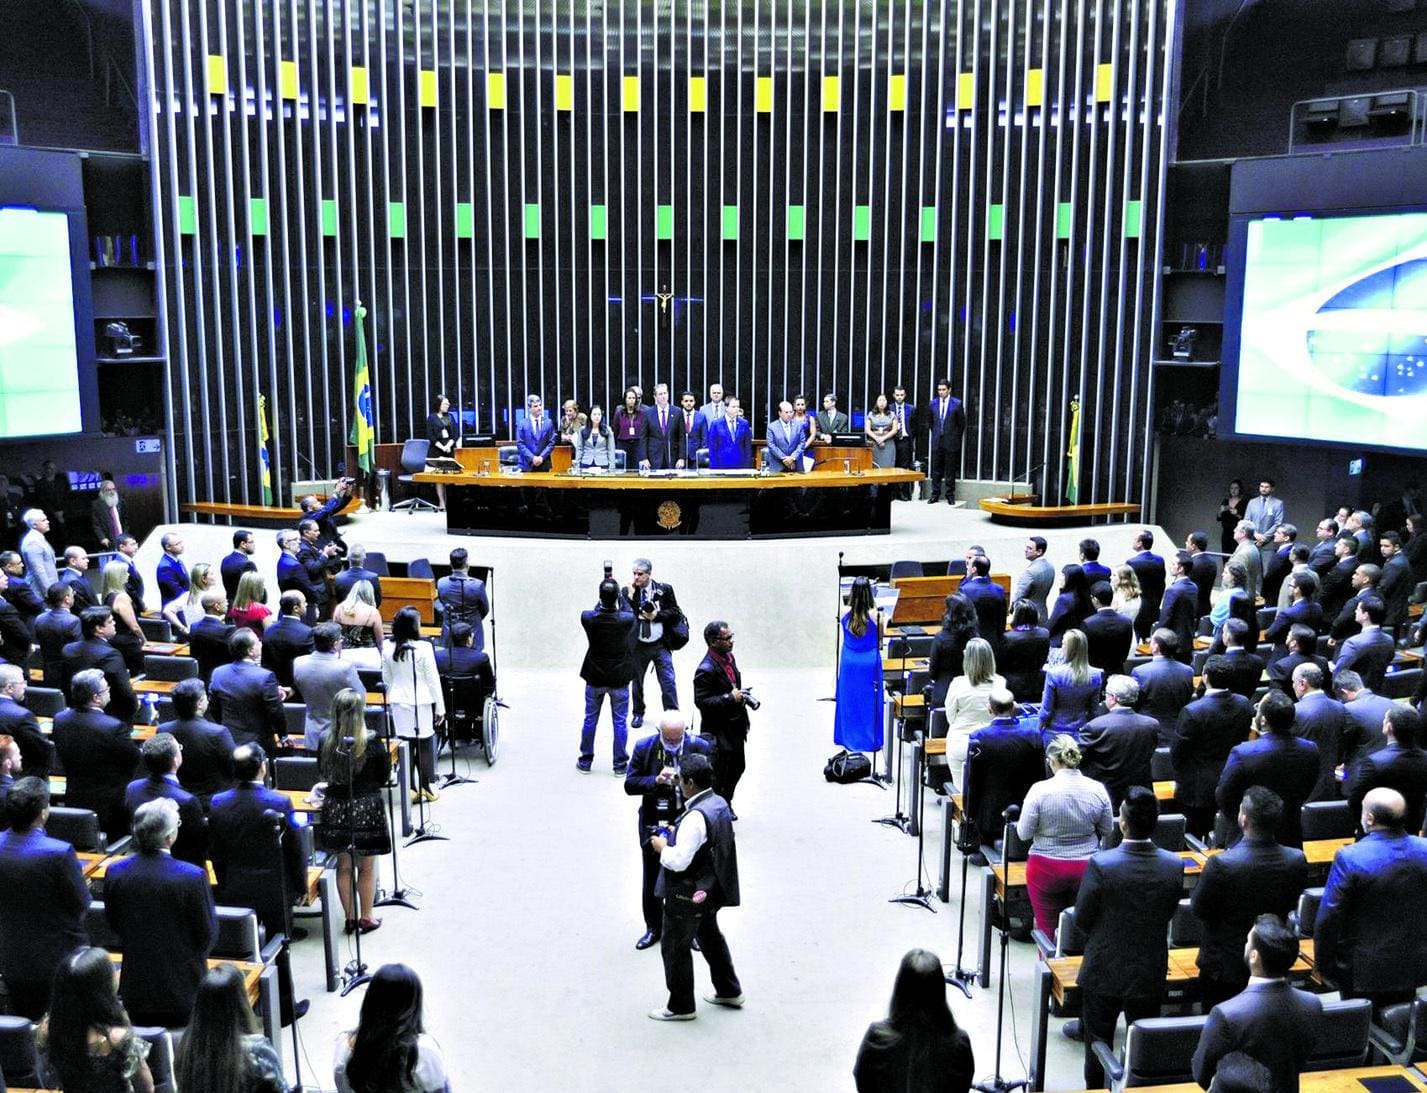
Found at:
(1303, 613)
(1319, 717)
(531, 442)
(836, 422)
(172, 577)
(692, 438)
(1285, 764)
(191, 845)
(989, 600)
(1337, 586)
(22, 598)
(1208, 729)
(1253, 877)
(348, 578)
(15, 638)
(463, 599)
(780, 447)
(244, 697)
(1345, 625)
(43, 899)
(1395, 586)
(99, 757)
(208, 642)
(1247, 555)
(1166, 687)
(1179, 611)
(1362, 731)
(1034, 584)
(316, 566)
(1003, 760)
(1127, 897)
(658, 804)
(1021, 661)
(1247, 670)
(283, 642)
(1095, 573)
(207, 756)
(319, 676)
(1280, 672)
(1272, 1023)
(1285, 591)
(1372, 918)
(84, 591)
(1203, 571)
(663, 446)
(1109, 637)
(134, 586)
(245, 853)
(101, 522)
(1279, 566)
(98, 653)
(293, 576)
(721, 716)
(36, 751)
(730, 449)
(609, 656)
(946, 430)
(162, 909)
(232, 568)
(53, 631)
(1368, 654)
(1116, 750)
(1149, 569)
(464, 661)
(1396, 767)
(39, 559)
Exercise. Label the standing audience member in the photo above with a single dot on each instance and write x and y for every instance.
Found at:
(1362, 731)
(607, 670)
(107, 515)
(1245, 667)
(1264, 512)
(722, 702)
(171, 574)
(1128, 599)
(128, 635)
(246, 697)
(1072, 606)
(1319, 717)
(947, 421)
(1109, 635)
(249, 608)
(359, 619)
(357, 571)
(163, 757)
(93, 651)
(129, 547)
(1179, 610)
(18, 592)
(390, 1048)
(1203, 570)
(1166, 683)
(9, 766)
(1037, 579)
(240, 561)
(207, 766)
(1278, 562)
(76, 564)
(15, 636)
(54, 629)
(1095, 573)
(87, 1041)
(1278, 761)
(1298, 554)
(987, 598)
(1231, 511)
(36, 550)
(1072, 689)
(1336, 584)
(208, 637)
(1207, 730)
(1302, 641)
(1302, 610)
(1003, 760)
(97, 751)
(356, 769)
(413, 687)
(1370, 652)
(1117, 748)
(1150, 572)
(656, 611)
(293, 575)
(1363, 584)
(1247, 555)
(287, 638)
(463, 599)
(319, 677)
(36, 749)
(184, 613)
(223, 1049)
(1396, 583)
(1400, 765)
(1025, 647)
(919, 1046)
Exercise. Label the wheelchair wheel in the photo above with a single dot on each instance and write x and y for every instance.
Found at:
(490, 729)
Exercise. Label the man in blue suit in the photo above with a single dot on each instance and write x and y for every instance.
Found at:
(237, 563)
(1278, 761)
(54, 629)
(1302, 610)
(1370, 652)
(535, 438)
(246, 697)
(1320, 717)
(1401, 765)
(1090, 562)
(663, 434)
(1149, 569)
(1179, 610)
(97, 752)
(208, 637)
(162, 910)
(947, 421)
(730, 438)
(43, 900)
(786, 442)
(172, 574)
(93, 650)
(1207, 730)
(987, 598)
(286, 639)
(162, 757)
(1166, 684)
(134, 586)
(294, 575)
(18, 723)
(207, 767)
(693, 431)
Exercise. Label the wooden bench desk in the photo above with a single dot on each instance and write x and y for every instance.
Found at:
(96, 865)
(154, 686)
(252, 971)
(1349, 1080)
(166, 648)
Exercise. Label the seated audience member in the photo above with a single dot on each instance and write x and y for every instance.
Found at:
(1372, 918)
(1003, 760)
(1117, 748)
(1063, 818)
(356, 769)
(462, 660)
(163, 757)
(1072, 689)
(249, 608)
(246, 697)
(98, 753)
(1127, 897)
(1319, 717)
(357, 571)
(1370, 652)
(958, 626)
(223, 1049)
(1245, 666)
(9, 766)
(1278, 761)
(207, 766)
(1271, 1022)
(1255, 876)
(287, 638)
(1362, 584)
(1178, 611)
(918, 1045)
(462, 598)
(320, 676)
(43, 900)
(1109, 634)
(1362, 728)
(1149, 570)
(208, 637)
(162, 910)
(390, 1048)
(1207, 730)
(240, 561)
(55, 628)
(966, 709)
(1072, 607)
(987, 598)
(94, 651)
(359, 619)
(36, 749)
(1300, 611)
(1025, 648)
(1166, 683)
(76, 562)
(1302, 646)
(1399, 765)
(87, 1041)
(1299, 555)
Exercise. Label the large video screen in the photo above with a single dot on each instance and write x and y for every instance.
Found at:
(39, 362)
(1333, 330)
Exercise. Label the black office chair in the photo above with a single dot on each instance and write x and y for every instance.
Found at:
(1342, 1039)
(100, 932)
(1069, 939)
(160, 1059)
(1401, 684)
(420, 568)
(169, 669)
(371, 678)
(19, 1058)
(1169, 833)
(1303, 917)
(239, 936)
(1186, 931)
(1327, 820)
(1401, 1033)
(906, 568)
(44, 701)
(1161, 766)
(295, 772)
(413, 461)
(77, 826)
(155, 629)
(1158, 1051)
(376, 562)
(295, 718)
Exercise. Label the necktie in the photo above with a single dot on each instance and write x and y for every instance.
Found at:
(114, 515)
(663, 421)
(787, 432)
(644, 631)
(943, 410)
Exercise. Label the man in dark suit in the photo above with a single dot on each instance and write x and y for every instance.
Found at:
(1127, 897)
(1274, 1024)
(207, 766)
(1179, 610)
(107, 516)
(36, 751)
(1372, 917)
(1109, 635)
(162, 756)
(906, 439)
(1396, 583)
(1090, 562)
(664, 432)
(72, 576)
(237, 563)
(320, 560)
(1362, 730)
(9, 766)
(1323, 555)
(1363, 583)
(1116, 748)
(246, 696)
(172, 574)
(607, 670)
(1150, 572)
(987, 598)
(1207, 731)
(1245, 666)
(54, 629)
(1003, 760)
(1279, 563)
(1255, 876)
(1302, 610)
(721, 699)
(1319, 717)
(462, 598)
(1370, 652)
(43, 900)
(134, 586)
(1335, 587)
(830, 420)
(947, 421)
(1203, 570)
(653, 776)
(1166, 683)
(693, 431)
(1278, 761)
(324, 514)
(1302, 641)
(18, 592)
(462, 658)
(286, 639)
(357, 571)
(208, 637)
(535, 437)
(293, 575)
(162, 909)
(656, 612)
(97, 751)
(96, 625)
(15, 636)
(1400, 765)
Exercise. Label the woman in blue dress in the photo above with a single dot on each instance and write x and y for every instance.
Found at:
(857, 723)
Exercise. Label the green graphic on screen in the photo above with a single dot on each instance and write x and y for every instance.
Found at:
(39, 363)
(1334, 334)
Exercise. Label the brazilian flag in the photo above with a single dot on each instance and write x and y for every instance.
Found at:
(265, 470)
(364, 431)
(1072, 489)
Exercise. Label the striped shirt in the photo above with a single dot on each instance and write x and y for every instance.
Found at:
(1065, 816)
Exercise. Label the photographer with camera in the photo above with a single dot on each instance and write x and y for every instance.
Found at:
(607, 670)
(659, 617)
(723, 702)
(325, 515)
(654, 776)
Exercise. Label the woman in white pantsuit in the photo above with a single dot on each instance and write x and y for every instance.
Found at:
(413, 690)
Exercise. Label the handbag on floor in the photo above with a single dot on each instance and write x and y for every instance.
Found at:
(847, 767)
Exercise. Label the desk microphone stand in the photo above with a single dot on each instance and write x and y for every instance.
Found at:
(922, 896)
(279, 822)
(996, 1083)
(398, 896)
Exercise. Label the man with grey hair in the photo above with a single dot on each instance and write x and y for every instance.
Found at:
(535, 438)
(162, 910)
(97, 752)
(357, 571)
(163, 755)
(785, 441)
(1117, 747)
(36, 550)
(319, 676)
(713, 409)
(1247, 554)
(106, 515)
(656, 610)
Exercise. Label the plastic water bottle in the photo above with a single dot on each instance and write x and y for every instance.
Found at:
(151, 710)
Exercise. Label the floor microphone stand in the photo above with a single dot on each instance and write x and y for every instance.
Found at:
(961, 978)
(422, 835)
(922, 896)
(454, 779)
(897, 819)
(355, 974)
(398, 896)
(279, 822)
(996, 1083)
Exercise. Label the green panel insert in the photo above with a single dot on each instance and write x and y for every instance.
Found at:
(862, 222)
(996, 222)
(465, 220)
(258, 215)
(1064, 216)
(928, 234)
(730, 222)
(187, 216)
(396, 219)
(329, 217)
(797, 222)
(532, 221)
(663, 221)
(1134, 211)
(599, 222)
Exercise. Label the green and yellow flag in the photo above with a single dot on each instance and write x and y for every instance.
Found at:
(364, 430)
(265, 470)
(1072, 489)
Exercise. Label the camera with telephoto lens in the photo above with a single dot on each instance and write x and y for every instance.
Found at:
(748, 699)
(609, 570)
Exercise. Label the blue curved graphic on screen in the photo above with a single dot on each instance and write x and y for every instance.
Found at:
(1371, 336)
